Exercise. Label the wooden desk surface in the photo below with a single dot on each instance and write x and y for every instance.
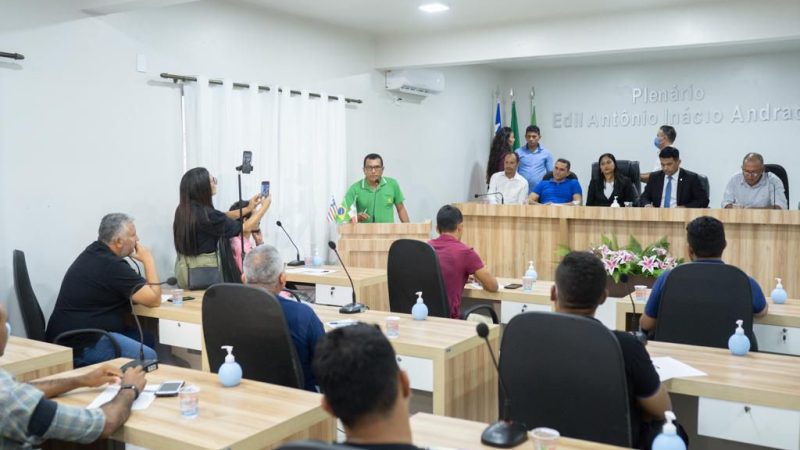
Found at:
(437, 431)
(757, 378)
(430, 338)
(539, 295)
(27, 359)
(785, 315)
(362, 276)
(249, 416)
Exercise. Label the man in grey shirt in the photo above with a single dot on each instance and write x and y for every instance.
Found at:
(754, 188)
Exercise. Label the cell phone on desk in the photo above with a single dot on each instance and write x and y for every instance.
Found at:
(169, 389)
(265, 188)
(513, 286)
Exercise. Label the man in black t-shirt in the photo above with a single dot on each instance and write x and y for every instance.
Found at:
(357, 372)
(579, 289)
(96, 290)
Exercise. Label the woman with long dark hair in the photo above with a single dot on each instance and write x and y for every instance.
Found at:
(609, 184)
(502, 143)
(198, 226)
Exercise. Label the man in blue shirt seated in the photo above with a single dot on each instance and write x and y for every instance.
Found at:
(534, 160)
(706, 238)
(364, 387)
(264, 268)
(558, 190)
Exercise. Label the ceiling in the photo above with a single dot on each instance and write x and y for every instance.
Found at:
(382, 17)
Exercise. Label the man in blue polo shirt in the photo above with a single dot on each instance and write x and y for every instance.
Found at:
(534, 160)
(558, 190)
(706, 238)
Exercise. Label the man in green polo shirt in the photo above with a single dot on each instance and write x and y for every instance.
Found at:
(375, 196)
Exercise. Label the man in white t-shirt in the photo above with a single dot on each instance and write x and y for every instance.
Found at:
(509, 183)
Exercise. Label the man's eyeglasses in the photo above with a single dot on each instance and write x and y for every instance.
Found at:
(373, 168)
(748, 173)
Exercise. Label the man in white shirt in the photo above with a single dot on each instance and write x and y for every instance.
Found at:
(665, 137)
(754, 188)
(509, 183)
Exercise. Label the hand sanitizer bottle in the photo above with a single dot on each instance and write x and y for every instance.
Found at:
(778, 294)
(669, 439)
(529, 278)
(615, 203)
(739, 343)
(230, 373)
(420, 310)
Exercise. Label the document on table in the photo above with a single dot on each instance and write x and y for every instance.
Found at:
(669, 368)
(145, 399)
(310, 271)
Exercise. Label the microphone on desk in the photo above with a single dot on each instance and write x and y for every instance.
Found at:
(298, 261)
(504, 433)
(354, 307)
(502, 200)
(148, 365)
(633, 324)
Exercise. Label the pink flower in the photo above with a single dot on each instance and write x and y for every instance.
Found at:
(611, 265)
(660, 251)
(648, 264)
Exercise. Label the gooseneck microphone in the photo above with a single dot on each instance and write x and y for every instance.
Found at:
(505, 432)
(354, 307)
(298, 261)
(500, 194)
(148, 365)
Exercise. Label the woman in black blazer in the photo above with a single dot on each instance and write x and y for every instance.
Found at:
(609, 184)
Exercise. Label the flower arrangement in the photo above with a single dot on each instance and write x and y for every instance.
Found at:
(649, 262)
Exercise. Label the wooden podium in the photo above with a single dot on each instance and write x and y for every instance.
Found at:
(367, 245)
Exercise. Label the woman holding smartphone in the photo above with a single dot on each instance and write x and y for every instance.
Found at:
(198, 226)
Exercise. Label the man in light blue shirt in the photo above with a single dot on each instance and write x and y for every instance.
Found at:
(534, 160)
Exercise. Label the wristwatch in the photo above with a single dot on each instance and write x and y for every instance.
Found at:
(130, 386)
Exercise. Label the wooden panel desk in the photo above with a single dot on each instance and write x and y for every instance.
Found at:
(433, 431)
(367, 245)
(464, 379)
(252, 415)
(366, 281)
(508, 236)
(27, 359)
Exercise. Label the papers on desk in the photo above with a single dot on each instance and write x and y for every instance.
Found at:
(310, 271)
(144, 400)
(165, 297)
(668, 368)
(342, 323)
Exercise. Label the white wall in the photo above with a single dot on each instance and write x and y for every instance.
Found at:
(82, 133)
(714, 149)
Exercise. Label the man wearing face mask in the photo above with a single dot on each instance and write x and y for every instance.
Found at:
(96, 289)
(665, 137)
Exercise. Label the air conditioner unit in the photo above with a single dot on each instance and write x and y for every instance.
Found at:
(417, 82)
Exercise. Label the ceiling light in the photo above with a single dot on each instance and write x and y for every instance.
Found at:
(432, 8)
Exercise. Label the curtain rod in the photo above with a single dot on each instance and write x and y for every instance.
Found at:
(184, 78)
(12, 55)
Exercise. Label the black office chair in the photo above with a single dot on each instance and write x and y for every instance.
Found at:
(313, 445)
(566, 372)
(413, 266)
(251, 320)
(704, 183)
(549, 175)
(32, 317)
(700, 304)
(625, 167)
(779, 172)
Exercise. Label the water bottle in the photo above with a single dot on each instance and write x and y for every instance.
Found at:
(739, 343)
(668, 439)
(529, 278)
(778, 294)
(420, 310)
(230, 373)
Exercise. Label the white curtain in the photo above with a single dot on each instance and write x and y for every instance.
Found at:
(298, 144)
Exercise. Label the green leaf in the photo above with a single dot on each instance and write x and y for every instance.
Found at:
(634, 246)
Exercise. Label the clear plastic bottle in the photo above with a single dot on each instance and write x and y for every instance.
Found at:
(529, 278)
